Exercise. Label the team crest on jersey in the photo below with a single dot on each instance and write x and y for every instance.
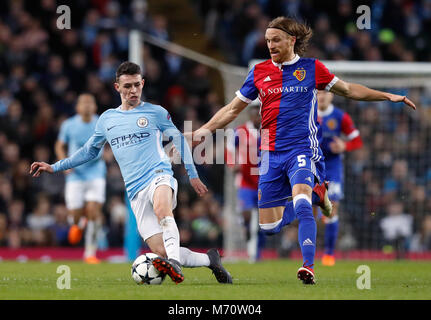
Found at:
(299, 74)
(331, 124)
(142, 122)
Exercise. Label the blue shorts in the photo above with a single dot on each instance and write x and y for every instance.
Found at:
(247, 199)
(281, 170)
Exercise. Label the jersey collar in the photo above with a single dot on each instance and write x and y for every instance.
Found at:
(286, 63)
(326, 112)
(120, 109)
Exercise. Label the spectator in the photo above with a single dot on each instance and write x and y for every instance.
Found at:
(40, 221)
(421, 240)
(60, 227)
(254, 43)
(12, 118)
(197, 81)
(397, 227)
(77, 71)
(205, 232)
(16, 214)
(6, 193)
(10, 156)
(3, 230)
(90, 27)
(19, 235)
(138, 10)
(159, 27)
(117, 214)
(155, 85)
(175, 103)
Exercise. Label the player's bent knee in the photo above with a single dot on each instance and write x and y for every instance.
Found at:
(271, 228)
(300, 188)
(162, 211)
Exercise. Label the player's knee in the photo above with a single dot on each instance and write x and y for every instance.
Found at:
(302, 189)
(161, 210)
(271, 228)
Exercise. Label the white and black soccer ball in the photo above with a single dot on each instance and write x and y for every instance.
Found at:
(143, 271)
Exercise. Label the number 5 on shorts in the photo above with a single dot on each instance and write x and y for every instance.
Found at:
(301, 161)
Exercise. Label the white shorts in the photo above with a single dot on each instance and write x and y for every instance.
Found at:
(142, 205)
(77, 193)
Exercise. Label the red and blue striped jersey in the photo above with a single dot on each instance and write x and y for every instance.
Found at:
(287, 93)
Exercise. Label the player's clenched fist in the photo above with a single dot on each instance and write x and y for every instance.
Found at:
(38, 167)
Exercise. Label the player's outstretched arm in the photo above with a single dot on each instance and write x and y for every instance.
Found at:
(357, 91)
(88, 152)
(37, 168)
(221, 119)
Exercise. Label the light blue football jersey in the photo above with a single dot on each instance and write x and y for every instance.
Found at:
(75, 133)
(135, 137)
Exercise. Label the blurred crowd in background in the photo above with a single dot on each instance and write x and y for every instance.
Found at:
(398, 28)
(43, 69)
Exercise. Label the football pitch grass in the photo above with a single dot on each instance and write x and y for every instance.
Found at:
(266, 280)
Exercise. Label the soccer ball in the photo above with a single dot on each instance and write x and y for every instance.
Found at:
(143, 271)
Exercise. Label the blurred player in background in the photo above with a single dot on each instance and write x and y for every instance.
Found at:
(85, 185)
(135, 132)
(291, 163)
(246, 149)
(335, 124)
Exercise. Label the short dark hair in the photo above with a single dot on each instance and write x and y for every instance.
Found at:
(129, 68)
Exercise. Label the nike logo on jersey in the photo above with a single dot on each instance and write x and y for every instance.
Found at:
(308, 179)
(111, 127)
(267, 79)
